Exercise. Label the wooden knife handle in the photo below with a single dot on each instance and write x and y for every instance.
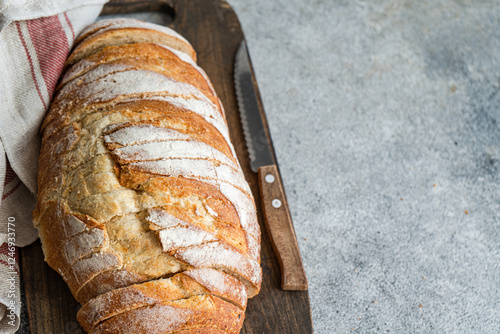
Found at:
(280, 229)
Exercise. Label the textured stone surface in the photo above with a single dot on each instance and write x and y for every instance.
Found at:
(385, 119)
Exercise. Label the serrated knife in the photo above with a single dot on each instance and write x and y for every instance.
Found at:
(277, 215)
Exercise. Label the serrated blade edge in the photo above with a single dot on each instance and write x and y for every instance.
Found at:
(253, 126)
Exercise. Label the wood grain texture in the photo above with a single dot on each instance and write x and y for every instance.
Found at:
(51, 307)
(280, 229)
(213, 29)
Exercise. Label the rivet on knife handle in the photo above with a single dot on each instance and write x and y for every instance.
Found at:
(280, 229)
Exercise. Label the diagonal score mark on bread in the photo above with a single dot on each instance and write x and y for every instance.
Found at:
(190, 283)
(112, 83)
(189, 315)
(140, 191)
(160, 58)
(119, 32)
(146, 142)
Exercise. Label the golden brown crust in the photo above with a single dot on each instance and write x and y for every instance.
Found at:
(67, 107)
(107, 281)
(147, 56)
(206, 292)
(70, 243)
(142, 205)
(197, 312)
(93, 44)
(198, 330)
(155, 112)
(114, 35)
(161, 190)
(201, 312)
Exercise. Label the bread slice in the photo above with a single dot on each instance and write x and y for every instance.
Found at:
(115, 32)
(186, 300)
(148, 56)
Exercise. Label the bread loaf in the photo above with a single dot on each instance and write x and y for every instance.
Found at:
(143, 208)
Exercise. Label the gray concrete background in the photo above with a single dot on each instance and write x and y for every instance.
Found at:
(385, 120)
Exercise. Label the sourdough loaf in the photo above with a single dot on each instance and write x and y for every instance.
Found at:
(142, 205)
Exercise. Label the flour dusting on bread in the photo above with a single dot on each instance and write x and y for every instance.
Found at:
(143, 207)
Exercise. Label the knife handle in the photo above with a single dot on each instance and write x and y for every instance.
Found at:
(280, 229)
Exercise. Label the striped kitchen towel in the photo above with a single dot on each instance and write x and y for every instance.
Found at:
(35, 39)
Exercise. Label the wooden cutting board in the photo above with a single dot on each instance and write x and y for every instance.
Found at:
(213, 29)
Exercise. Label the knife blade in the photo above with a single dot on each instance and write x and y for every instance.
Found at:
(276, 212)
